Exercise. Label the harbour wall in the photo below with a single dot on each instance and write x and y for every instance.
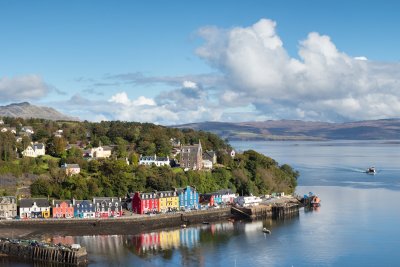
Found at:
(111, 226)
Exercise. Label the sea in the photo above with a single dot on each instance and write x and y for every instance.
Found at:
(357, 224)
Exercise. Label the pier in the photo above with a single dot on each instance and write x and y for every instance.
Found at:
(28, 250)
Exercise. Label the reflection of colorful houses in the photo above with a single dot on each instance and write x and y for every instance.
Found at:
(83, 208)
(212, 199)
(169, 239)
(152, 242)
(168, 201)
(34, 208)
(145, 202)
(188, 198)
(62, 209)
(107, 207)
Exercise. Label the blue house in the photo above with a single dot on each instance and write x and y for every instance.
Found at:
(188, 198)
(84, 209)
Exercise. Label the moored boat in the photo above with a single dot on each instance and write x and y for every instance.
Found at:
(371, 170)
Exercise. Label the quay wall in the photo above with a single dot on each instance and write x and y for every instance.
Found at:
(110, 226)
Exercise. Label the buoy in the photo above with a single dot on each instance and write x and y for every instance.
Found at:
(265, 230)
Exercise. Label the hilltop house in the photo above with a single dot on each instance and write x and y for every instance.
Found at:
(150, 160)
(8, 207)
(34, 150)
(27, 129)
(99, 152)
(192, 157)
(34, 208)
(71, 169)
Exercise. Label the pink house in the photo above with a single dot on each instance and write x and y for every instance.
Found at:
(63, 209)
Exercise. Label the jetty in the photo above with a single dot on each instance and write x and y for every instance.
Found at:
(31, 250)
(273, 209)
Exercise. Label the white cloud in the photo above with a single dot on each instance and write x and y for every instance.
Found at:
(22, 88)
(189, 84)
(322, 84)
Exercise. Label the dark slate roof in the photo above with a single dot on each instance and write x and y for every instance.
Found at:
(8, 200)
(224, 191)
(38, 146)
(28, 202)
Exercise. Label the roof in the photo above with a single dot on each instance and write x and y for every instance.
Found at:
(61, 201)
(38, 146)
(70, 166)
(154, 158)
(224, 191)
(28, 202)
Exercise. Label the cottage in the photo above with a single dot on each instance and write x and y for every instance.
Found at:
(71, 169)
(157, 161)
(34, 208)
(34, 150)
(207, 164)
(107, 207)
(62, 209)
(8, 207)
(192, 157)
(144, 202)
(211, 156)
(83, 209)
(100, 152)
(188, 198)
(27, 129)
(168, 201)
(1, 122)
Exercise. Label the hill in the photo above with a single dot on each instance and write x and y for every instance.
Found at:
(387, 129)
(26, 111)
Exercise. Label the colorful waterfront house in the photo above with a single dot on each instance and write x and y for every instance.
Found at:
(212, 199)
(227, 196)
(62, 209)
(108, 207)
(83, 209)
(8, 207)
(168, 201)
(145, 202)
(188, 198)
(34, 208)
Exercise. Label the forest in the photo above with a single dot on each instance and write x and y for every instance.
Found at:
(247, 173)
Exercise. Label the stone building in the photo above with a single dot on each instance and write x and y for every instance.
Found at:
(192, 157)
(8, 207)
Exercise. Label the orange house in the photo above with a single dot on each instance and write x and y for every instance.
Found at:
(63, 209)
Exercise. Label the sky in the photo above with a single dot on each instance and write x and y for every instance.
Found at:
(175, 62)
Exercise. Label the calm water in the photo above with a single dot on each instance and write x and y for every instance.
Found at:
(358, 223)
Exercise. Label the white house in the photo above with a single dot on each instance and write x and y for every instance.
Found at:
(34, 208)
(27, 129)
(1, 122)
(207, 164)
(150, 160)
(246, 201)
(71, 169)
(34, 150)
(100, 152)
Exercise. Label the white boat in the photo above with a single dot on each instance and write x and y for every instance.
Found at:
(371, 170)
(267, 231)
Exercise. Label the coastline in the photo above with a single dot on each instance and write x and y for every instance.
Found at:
(110, 226)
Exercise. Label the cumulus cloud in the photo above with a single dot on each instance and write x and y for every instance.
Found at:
(23, 88)
(323, 83)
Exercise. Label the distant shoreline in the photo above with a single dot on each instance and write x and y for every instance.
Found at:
(112, 226)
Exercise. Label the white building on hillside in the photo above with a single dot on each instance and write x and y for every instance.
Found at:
(34, 150)
(100, 152)
(150, 160)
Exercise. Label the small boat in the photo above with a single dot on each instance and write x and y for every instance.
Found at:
(371, 170)
(183, 226)
(206, 223)
(267, 231)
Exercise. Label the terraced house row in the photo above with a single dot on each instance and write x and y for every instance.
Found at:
(164, 201)
(100, 207)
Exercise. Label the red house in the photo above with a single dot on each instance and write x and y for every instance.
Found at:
(62, 209)
(144, 202)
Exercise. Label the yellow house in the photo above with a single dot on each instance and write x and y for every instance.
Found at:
(168, 201)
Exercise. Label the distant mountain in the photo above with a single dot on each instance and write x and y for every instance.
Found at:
(387, 129)
(26, 111)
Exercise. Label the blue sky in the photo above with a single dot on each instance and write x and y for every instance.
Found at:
(172, 62)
